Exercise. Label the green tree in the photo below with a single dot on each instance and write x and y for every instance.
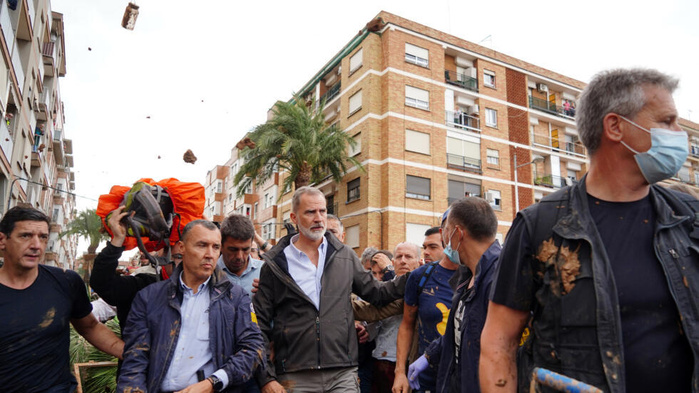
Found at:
(298, 140)
(88, 225)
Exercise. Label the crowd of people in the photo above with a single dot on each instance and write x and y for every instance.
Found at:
(598, 282)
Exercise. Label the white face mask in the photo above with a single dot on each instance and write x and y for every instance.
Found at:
(667, 153)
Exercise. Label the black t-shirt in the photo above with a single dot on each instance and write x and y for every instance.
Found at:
(657, 354)
(34, 331)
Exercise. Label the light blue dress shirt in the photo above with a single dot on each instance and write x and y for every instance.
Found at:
(249, 274)
(192, 352)
(302, 270)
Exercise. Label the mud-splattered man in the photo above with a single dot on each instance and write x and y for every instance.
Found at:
(36, 304)
(606, 271)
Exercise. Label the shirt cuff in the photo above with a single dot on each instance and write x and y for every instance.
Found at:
(221, 374)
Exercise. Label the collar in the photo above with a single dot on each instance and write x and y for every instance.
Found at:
(185, 288)
(322, 247)
(252, 265)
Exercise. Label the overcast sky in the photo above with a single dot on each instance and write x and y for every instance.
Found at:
(207, 72)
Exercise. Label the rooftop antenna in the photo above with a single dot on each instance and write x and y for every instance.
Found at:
(489, 38)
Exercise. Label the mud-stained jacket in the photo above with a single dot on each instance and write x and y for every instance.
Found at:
(153, 328)
(576, 324)
(304, 337)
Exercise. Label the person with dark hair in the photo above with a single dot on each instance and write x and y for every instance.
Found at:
(426, 308)
(237, 234)
(36, 304)
(304, 306)
(469, 234)
(605, 271)
(195, 331)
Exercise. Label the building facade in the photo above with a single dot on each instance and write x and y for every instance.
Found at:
(437, 118)
(35, 157)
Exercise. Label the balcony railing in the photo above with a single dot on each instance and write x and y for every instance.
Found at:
(569, 148)
(461, 162)
(461, 80)
(331, 93)
(463, 120)
(694, 150)
(550, 181)
(542, 105)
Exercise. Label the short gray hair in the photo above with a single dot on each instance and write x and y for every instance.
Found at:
(615, 91)
(296, 199)
(205, 223)
(367, 254)
(336, 218)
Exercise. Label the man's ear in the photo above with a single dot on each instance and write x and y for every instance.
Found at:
(3, 238)
(612, 127)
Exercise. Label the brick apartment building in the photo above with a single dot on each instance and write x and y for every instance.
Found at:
(435, 118)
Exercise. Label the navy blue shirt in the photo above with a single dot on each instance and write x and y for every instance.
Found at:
(433, 302)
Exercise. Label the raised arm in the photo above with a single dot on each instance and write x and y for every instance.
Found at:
(499, 340)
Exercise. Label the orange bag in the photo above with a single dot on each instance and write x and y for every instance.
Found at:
(188, 200)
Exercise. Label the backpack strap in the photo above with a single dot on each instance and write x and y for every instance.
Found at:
(425, 277)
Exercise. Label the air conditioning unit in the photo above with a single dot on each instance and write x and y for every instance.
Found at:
(490, 197)
(339, 70)
(473, 110)
(542, 88)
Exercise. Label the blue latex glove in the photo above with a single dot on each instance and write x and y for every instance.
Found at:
(414, 371)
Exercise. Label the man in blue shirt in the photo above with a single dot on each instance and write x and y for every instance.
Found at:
(237, 234)
(195, 325)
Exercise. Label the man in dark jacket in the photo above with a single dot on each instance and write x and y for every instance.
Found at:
(469, 234)
(194, 331)
(117, 290)
(606, 270)
(304, 308)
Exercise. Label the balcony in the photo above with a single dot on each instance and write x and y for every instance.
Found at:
(694, 151)
(463, 120)
(543, 105)
(465, 163)
(6, 139)
(461, 80)
(333, 92)
(575, 149)
(552, 181)
(48, 52)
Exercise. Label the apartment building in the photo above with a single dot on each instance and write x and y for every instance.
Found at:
(35, 157)
(437, 118)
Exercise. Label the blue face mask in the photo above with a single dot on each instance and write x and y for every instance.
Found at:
(452, 254)
(667, 153)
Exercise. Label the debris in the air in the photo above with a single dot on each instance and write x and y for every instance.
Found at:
(147, 117)
(129, 20)
(89, 48)
(189, 157)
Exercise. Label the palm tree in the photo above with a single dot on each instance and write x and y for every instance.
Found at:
(298, 140)
(88, 225)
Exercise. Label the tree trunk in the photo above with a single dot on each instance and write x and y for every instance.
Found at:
(88, 260)
(304, 176)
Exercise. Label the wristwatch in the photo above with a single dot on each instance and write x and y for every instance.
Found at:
(218, 384)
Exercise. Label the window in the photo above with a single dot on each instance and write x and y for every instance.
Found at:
(494, 198)
(418, 142)
(417, 187)
(353, 151)
(696, 176)
(489, 78)
(352, 236)
(254, 212)
(416, 55)
(415, 233)
(355, 102)
(219, 186)
(461, 189)
(356, 61)
(491, 117)
(266, 200)
(683, 174)
(353, 190)
(417, 98)
(464, 153)
(493, 157)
